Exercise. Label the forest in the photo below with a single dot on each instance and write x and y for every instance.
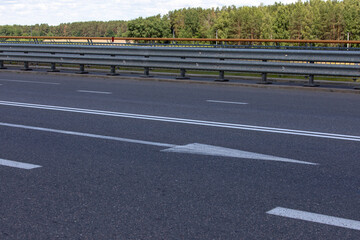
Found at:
(312, 19)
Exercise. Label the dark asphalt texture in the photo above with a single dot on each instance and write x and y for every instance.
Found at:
(91, 188)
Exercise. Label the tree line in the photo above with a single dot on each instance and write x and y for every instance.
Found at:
(312, 19)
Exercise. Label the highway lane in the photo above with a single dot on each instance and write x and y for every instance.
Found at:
(97, 188)
(274, 108)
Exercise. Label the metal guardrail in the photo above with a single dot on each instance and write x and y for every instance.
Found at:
(264, 61)
(190, 42)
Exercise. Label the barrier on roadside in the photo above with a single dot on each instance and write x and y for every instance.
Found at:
(263, 61)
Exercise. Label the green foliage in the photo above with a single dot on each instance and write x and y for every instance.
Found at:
(305, 19)
(151, 27)
(351, 15)
(222, 24)
(281, 19)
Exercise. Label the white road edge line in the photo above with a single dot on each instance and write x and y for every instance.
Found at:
(15, 164)
(194, 148)
(185, 121)
(97, 92)
(315, 217)
(216, 101)
(24, 81)
(87, 135)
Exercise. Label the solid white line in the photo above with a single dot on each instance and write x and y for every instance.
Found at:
(87, 135)
(194, 148)
(216, 101)
(186, 121)
(97, 92)
(314, 217)
(24, 81)
(15, 164)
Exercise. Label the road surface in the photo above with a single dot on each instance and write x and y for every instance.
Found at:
(101, 158)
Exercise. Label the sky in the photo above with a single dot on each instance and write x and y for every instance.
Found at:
(54, 12)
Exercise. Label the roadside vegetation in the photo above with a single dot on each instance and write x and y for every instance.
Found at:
(313, 19)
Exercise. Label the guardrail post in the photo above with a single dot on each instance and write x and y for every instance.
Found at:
(311, 82)
(53, 68)
(2, 65)
(26, 67)
(112, 71)
(264, 77)
(82, 69)
(311, 79)
(358, 86)
(221, 77)
(146, 72)
(182, 73)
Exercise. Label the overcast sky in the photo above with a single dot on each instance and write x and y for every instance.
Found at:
(54, 12)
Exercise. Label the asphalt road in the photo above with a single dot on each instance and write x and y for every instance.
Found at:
(127, 159)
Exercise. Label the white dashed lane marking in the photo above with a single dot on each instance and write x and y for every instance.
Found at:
(96, 92)
(315, 217)
(23, 81)
(226, 102)
(9, 163)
